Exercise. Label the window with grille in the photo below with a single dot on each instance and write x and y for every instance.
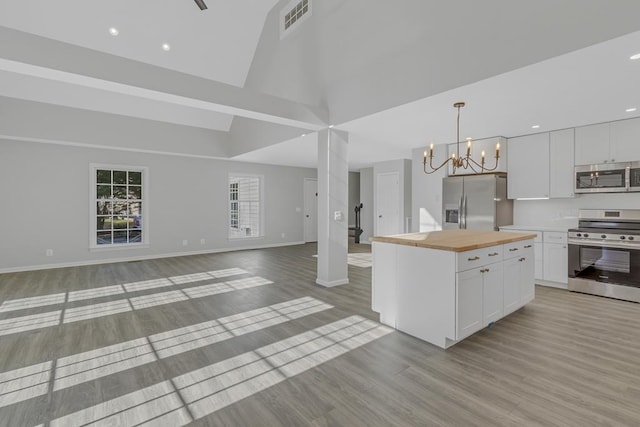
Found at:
(118, 212)
(245, 206)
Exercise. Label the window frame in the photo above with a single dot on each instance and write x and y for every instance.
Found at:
(93, 200)
(261, 181)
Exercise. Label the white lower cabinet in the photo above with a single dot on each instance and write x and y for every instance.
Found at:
(555, 257)
(444, 296)
(469, 306)
(492, 282)
(511, 285)
(489, 292)
(555, 262)
(519, 285)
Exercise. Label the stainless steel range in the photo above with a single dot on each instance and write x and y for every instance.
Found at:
(604, 254)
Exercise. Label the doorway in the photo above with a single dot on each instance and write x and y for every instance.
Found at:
(310, 210)
(388, 204)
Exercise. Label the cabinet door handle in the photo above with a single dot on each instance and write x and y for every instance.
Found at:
(528, 246)
(494, 254)
(513, 249)
(482, 270)
(522, 259)
(475, 258)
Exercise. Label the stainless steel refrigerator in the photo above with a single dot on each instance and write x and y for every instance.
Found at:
(476, 202)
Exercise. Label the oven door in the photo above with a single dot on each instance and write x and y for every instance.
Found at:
(607, 263)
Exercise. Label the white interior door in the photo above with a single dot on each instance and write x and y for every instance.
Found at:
(388, 204)
(310, 210)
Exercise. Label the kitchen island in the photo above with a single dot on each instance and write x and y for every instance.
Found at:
(443, 286)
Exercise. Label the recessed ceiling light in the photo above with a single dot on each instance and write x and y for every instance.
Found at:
(631, 110)
(114, 31)
(535, 127)
(166, 47)
(636, 56)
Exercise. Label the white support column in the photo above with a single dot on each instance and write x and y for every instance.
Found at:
(333, 190)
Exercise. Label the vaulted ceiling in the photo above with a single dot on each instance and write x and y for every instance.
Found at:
(386, 71)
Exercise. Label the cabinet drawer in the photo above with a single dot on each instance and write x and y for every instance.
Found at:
(477, 257)
(512, 250)
(555, 237)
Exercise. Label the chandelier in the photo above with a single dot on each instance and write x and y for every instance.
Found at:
(457, 161)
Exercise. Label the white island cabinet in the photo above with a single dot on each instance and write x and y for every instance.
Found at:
(443, 286)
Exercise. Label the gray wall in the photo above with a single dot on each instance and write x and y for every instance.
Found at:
(366, 197)
(354, 196)
(45, 189)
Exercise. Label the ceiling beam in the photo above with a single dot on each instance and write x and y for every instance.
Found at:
(53, 60)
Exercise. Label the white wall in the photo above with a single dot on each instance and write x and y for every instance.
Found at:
(564, 212)
(366, 197)
(45, 192)
(427, 191)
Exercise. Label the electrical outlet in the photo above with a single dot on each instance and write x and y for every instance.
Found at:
(202, 241)
(49, 252)
(185, 242)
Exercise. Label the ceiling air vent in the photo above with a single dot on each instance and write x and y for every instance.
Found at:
(293, 14)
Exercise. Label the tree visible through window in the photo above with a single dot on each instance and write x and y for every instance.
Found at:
(244, 206)
(118, 206)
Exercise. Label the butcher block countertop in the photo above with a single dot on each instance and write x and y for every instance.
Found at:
(454, 240)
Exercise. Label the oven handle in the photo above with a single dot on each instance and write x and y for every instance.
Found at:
(616, 245)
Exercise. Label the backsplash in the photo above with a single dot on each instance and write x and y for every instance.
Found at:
(564, 212)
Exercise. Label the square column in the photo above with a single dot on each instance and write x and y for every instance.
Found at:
(333, 190)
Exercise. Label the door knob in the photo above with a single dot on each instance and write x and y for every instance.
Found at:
(379, 216)
(307, 216)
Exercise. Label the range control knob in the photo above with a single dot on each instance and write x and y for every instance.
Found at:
(586, 235)
(630, 237)
(622, 237)
(578, 234)
(603, 236)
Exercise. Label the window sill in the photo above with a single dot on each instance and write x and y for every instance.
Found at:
(106, 248)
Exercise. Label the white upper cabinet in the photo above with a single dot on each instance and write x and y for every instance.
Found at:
(593, 144)
(477, 147)
(625, 140)
(608, 142)
(528, 167)
(561, 160)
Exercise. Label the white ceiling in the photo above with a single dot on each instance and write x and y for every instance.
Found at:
(217, 44)
(591, 85)
(395, 88)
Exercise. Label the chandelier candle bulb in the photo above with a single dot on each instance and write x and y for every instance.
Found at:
(459, 160)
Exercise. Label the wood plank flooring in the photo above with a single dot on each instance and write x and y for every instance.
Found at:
(247, 339)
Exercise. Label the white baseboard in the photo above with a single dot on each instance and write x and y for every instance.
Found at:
(140, 258)
(332, 283)
(551, 284)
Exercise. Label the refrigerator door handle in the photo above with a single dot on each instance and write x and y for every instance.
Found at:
(460, 211)
(465, 212)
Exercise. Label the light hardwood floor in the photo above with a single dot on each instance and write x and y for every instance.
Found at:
(193, 340)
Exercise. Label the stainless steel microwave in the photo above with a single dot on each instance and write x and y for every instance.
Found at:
(608, 178)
